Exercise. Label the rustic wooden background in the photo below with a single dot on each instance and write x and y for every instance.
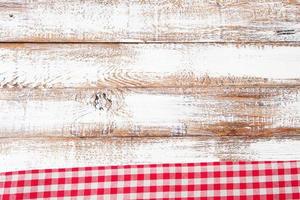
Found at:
(137, 81)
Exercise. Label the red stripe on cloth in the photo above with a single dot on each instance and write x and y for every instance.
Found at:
(212, 180)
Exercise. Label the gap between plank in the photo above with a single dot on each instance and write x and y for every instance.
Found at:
(295, 43)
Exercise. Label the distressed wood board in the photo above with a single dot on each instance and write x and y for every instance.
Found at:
(38, 153)
(148, 65)
(149, 21)
(214, 111)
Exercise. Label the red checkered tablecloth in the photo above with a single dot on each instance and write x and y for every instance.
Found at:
(214, 180)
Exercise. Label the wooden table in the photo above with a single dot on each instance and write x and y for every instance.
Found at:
(86, 83)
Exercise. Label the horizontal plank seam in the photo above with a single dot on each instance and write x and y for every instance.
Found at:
(296, 136)
(274, 85)
(155, 42)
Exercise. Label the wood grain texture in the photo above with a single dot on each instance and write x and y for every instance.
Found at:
(92, 90)
(149, 21)
(33, 153)
(214, 111)
(148, 65)
(219, 81)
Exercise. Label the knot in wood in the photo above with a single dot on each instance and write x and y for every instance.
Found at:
(101, 101)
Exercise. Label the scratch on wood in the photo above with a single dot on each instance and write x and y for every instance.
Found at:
(179, 130)
(285, 32)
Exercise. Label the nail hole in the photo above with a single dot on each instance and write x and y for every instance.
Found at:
(11, 15)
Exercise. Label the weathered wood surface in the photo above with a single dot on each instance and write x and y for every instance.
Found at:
(253, 111)
(221, 76)
(149, 21)
(148, 65)
(33, 153)
(94, 90)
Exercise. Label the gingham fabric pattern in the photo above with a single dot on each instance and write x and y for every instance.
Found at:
(214, 180)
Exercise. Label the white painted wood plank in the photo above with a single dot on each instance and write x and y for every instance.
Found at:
(147, 65)
(214, 111)
(149, 21)
(36, 153)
